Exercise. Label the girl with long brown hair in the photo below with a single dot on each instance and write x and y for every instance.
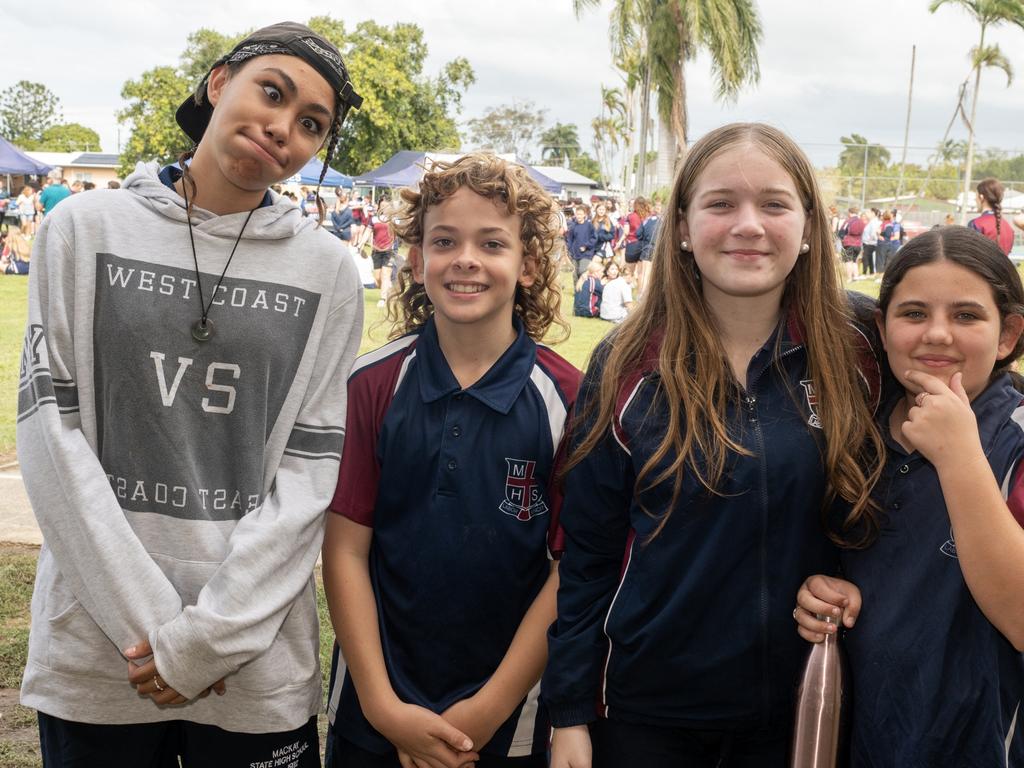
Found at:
(714, 429)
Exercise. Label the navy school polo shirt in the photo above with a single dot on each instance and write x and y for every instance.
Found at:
(457, 486)
(934, 682)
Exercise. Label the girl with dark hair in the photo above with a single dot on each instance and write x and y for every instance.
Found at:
(714, 426)
(991, 223)
(180, 426)
(933, 605)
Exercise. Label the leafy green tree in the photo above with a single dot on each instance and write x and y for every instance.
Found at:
(851, 159)
(152, 102)
(204, 47)
(402, 108)
(986, 13)
(26, 110)
(559, 143)
(69, 137)
(508, 128)
(950, 151)
(587, 166)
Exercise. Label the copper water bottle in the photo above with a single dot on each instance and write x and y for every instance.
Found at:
(819, 728)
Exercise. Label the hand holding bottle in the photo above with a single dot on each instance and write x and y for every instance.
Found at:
(825, 596)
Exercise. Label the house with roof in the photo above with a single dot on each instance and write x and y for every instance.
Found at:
(574, 185)
(97, 167)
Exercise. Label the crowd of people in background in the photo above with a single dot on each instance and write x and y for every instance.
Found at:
(21, 215)
(598, 234)
(608, 248)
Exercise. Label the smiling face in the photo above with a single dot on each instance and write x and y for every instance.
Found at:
(943, 319)
(471, 261)
(745, 224)
(270, 117)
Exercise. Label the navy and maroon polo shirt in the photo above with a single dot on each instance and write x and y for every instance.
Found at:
(934, 682)
(457, 486)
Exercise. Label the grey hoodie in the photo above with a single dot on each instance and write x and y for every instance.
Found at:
(180, 486)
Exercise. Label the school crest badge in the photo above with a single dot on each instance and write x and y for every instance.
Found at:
(949, 548)
(812, 402)
(523, 496)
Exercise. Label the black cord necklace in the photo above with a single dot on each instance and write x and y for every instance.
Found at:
(202, 329)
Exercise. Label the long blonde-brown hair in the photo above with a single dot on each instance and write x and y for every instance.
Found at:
(511, 187)
(695, 381)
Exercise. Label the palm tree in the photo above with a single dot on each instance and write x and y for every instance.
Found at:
(610, 130)
(672, 32)
(859, 153)
(559, 144)
(986, 13)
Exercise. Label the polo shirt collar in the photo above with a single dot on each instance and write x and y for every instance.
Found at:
(498, 389)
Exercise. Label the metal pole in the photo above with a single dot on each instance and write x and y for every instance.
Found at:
(864, 180)
(906, 130)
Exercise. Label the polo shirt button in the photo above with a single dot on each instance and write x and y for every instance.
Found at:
(904, 469)
(458, 398)
(895, 505)
(452, 465)
(456, 430)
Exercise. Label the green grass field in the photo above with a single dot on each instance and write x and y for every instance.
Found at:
(13, 311)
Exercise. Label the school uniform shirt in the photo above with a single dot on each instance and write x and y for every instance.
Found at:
(934, 682)
(986, 224)
(342, 221)
(587, 300)
(581, 239)
(383, 239)
(180, 486)
(457, 485)
(604, 234)
(692, 628)
(646, 235)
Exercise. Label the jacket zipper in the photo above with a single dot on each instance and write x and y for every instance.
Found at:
(750, 402)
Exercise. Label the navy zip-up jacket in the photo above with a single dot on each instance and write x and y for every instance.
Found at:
(694, 628)
(581, 235)
(934, 682)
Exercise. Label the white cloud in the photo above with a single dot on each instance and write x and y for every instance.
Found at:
(828, 68)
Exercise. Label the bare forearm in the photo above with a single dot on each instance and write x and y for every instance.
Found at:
(989, 543)
(354, 614)
(524, 661)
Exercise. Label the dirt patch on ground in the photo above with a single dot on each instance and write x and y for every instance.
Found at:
(19, 735)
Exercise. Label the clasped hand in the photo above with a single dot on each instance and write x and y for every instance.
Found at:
(148, 682)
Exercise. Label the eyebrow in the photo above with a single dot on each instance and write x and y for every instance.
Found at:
(484, 231)
(762, 191)
(293, 89)
(954, 305)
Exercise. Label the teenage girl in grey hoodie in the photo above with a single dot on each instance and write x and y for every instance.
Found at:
(188, 341)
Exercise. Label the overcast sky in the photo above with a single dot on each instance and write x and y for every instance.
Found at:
(828, 68)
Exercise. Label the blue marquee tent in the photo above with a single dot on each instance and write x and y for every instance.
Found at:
(14, 161)
(406, 168)
(310, 174)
